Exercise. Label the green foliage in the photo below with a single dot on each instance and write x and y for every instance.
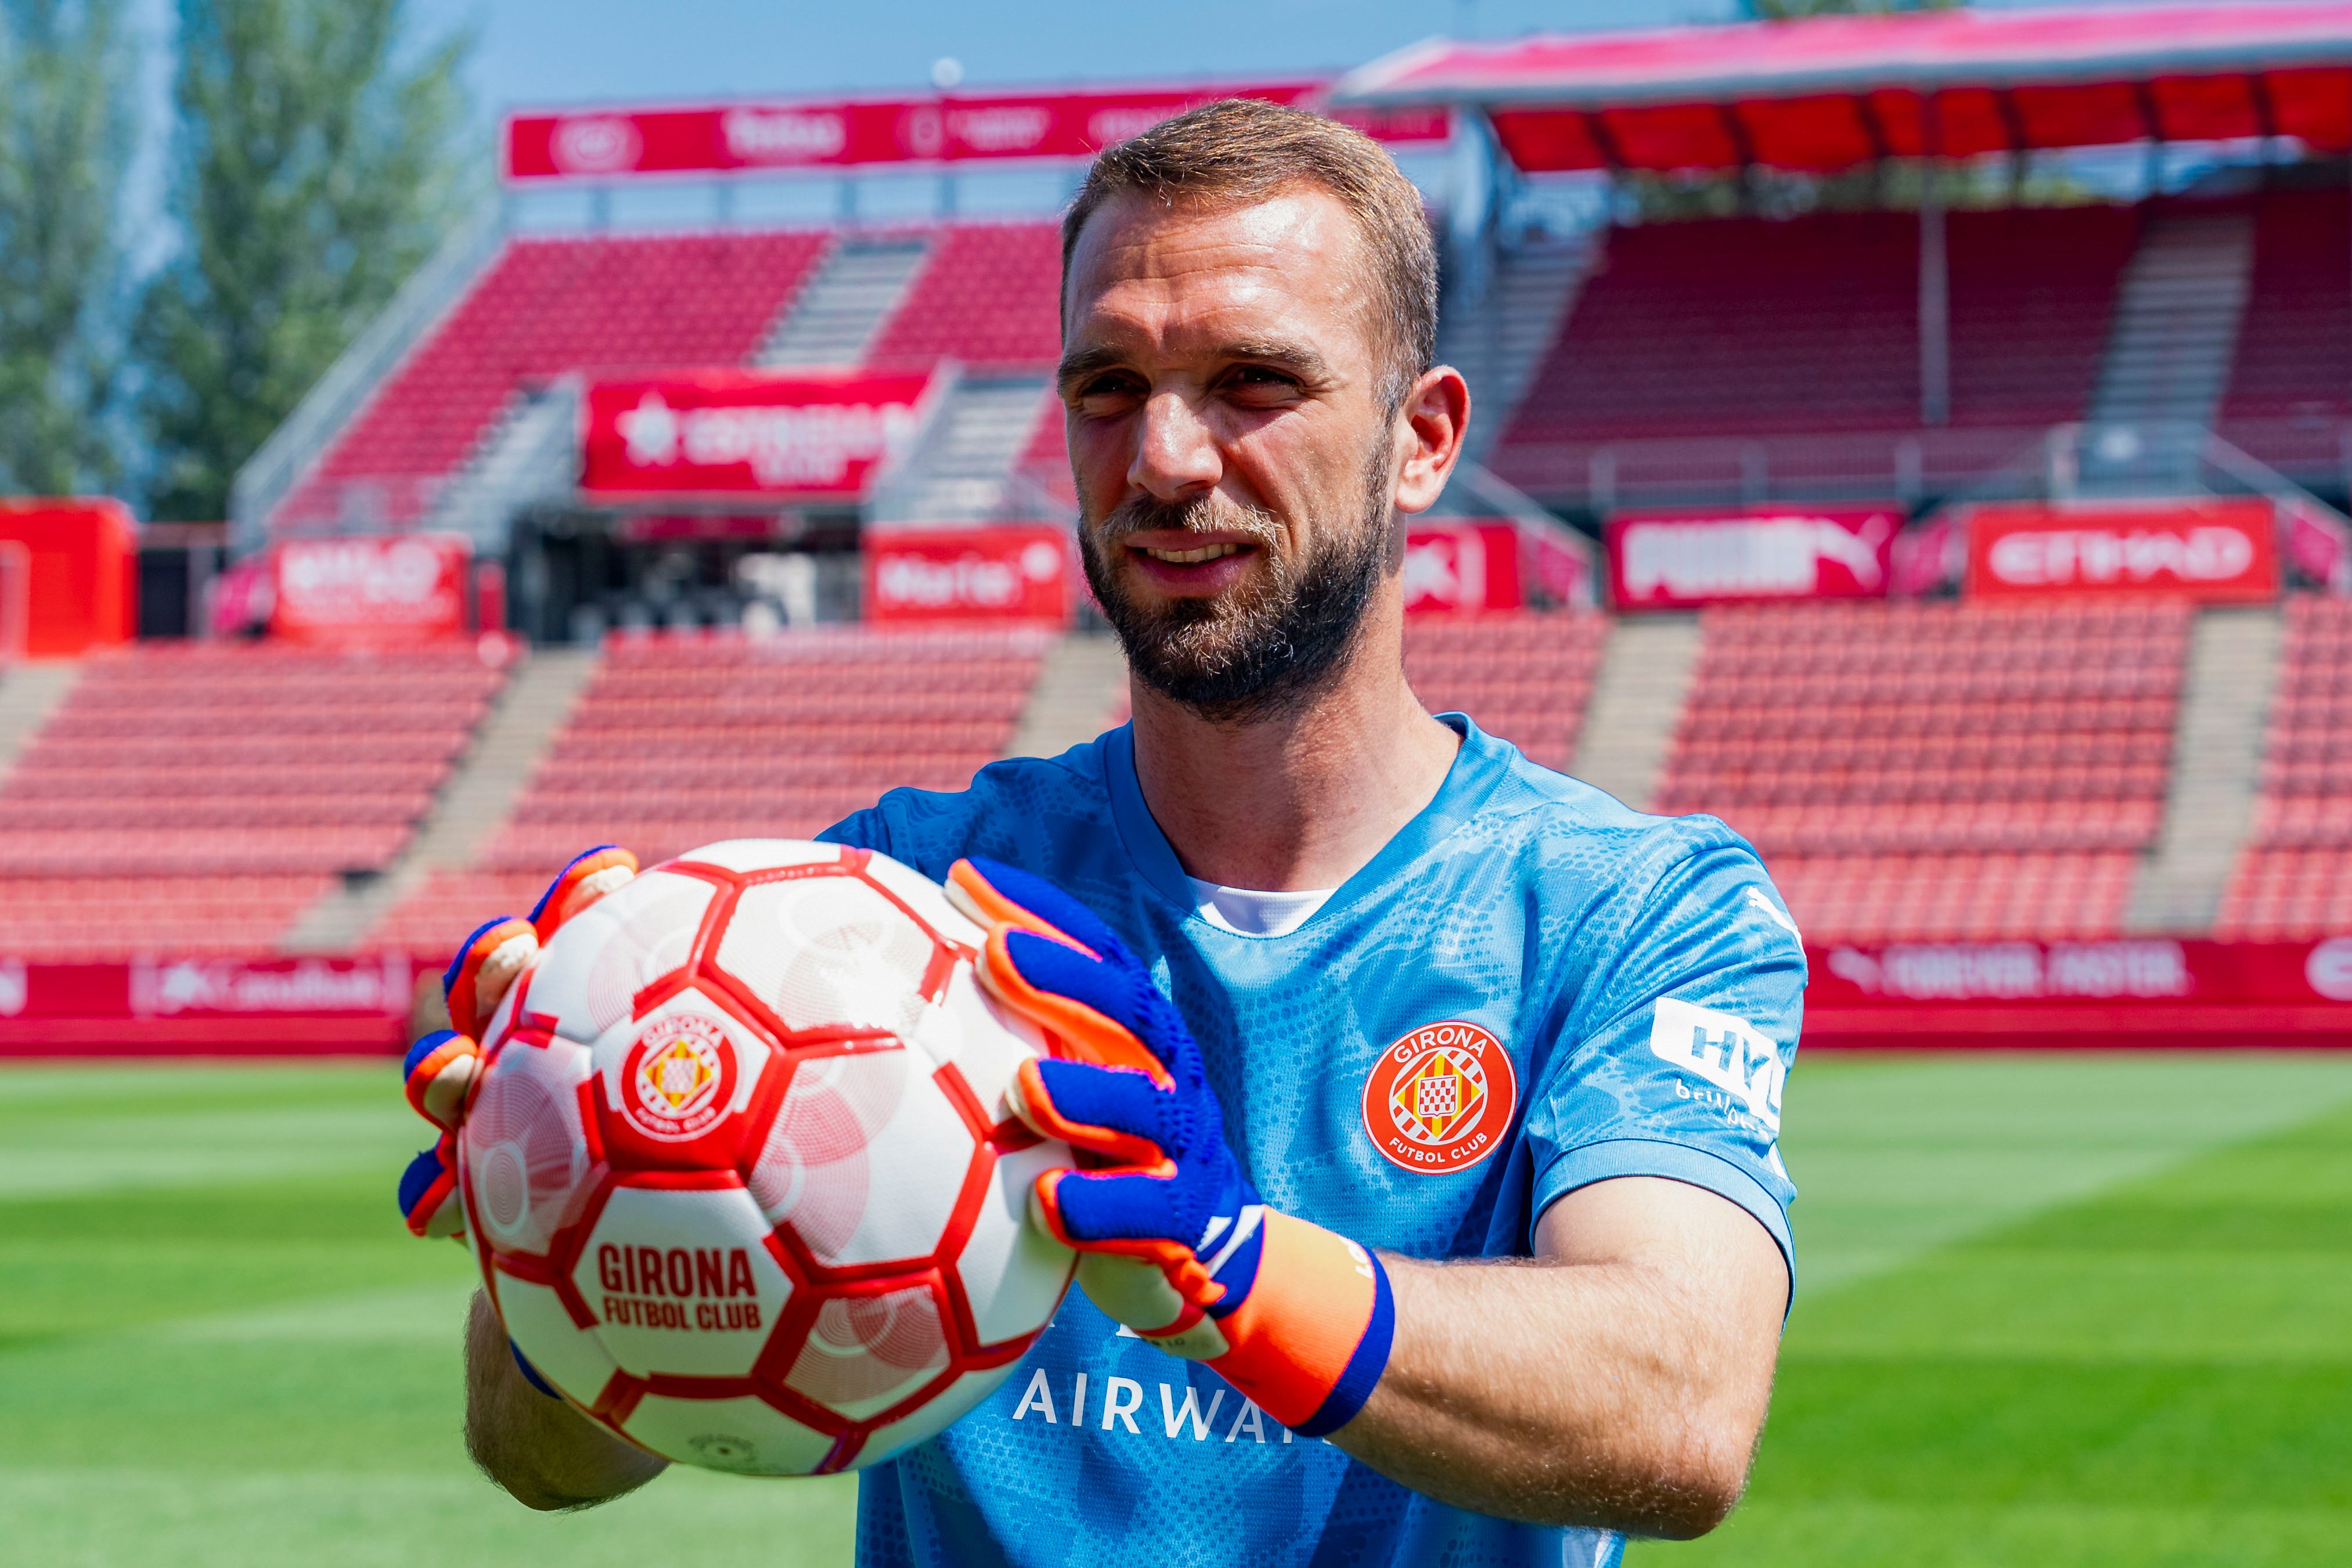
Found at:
(314, 167)
(65, 136)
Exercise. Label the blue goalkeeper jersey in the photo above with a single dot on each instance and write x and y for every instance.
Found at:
(1530, 989)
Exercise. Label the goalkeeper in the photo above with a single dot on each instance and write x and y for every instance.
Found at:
(1459, 1156)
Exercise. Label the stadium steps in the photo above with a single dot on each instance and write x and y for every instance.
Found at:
(30, 693)
(532, 450)
(1076, 693)
(490, 778)
(837, 313)
(1497, 343)
(962, 470)
(2209, 808)
(2178, 313)
(1646, 676)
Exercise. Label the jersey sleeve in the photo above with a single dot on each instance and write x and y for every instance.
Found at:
(1676, 1051)
(863, 830)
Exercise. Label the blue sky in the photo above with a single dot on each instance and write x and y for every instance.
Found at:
(554, 51)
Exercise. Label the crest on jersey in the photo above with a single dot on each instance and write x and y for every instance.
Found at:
(1441, 1098)
(679, 1077)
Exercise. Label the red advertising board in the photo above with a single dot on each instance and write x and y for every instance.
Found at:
(369, 593)
(71, 577)
(747, 433)
(2124, 991)
(227, 1005)
(1682, 559)
(1458, 569)
(1013, 572)
(714, 138)
(2222, 551)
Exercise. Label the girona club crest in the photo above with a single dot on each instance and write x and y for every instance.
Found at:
(1441, 1098)
(679, 1078)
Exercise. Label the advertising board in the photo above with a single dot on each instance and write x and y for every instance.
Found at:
(2218, 550)
(605, 144)
(1020, 571)
(206, 1004)
(746, 432)
(72, 578)
(370, 591)
(1460, 568)
(1682, 559)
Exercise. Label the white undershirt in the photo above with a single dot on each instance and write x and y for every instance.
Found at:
(1246, 912)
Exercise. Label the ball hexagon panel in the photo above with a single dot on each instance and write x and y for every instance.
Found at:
(674, 1085)
(626, 942)
(524, 1157)
(743, 1434)
(680, 1279)
(926, 899)
(566, 1355)
(864, 1161)
(982, 1041)
(751, 856)
(1013, 1275)
(829, 953)
(865, 1353)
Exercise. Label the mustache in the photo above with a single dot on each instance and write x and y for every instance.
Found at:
(1211, 513)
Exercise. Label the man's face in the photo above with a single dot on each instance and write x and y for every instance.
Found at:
(1232, 455)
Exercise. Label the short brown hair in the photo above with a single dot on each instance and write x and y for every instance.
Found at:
(1243, 149)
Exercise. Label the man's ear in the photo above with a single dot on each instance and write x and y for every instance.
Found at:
(1432, 423)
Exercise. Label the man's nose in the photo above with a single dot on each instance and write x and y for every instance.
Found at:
(1176, 455)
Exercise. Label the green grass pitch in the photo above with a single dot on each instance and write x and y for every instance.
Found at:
(2086, 1310)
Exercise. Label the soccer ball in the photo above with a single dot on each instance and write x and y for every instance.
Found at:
(739, 1171)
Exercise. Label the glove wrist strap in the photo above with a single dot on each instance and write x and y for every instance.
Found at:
(1312, 1337)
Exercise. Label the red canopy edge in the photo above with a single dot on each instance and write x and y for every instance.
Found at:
(1831, 91)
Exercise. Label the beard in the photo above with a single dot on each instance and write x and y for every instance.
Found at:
(1269, 646)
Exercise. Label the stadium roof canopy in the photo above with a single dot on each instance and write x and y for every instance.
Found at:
(1828, 92)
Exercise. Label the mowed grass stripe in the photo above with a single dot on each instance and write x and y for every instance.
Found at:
(2161, 1373)
(231, 1365)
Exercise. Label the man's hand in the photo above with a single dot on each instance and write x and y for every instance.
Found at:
(438, 1071)
(1175, 1241)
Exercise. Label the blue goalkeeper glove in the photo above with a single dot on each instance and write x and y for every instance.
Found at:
(439, 1069)
(1175, 1241)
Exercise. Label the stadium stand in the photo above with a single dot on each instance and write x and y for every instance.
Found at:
(2290, 386)
(198, 797)
(1526, 677)
(2294, 880)
(548, 307)
(1937, 770)
(1807, 328)
(689, 738)
(988, 294)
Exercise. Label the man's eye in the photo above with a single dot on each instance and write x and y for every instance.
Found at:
(1106, 390)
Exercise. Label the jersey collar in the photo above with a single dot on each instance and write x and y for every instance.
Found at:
(1479, 767)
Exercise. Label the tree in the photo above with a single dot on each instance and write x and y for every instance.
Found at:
(65, 137)
(315, 165)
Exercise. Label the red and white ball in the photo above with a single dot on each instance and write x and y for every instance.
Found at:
(739, 1169)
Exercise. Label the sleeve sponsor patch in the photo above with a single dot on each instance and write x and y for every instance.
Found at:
(1725, 1051)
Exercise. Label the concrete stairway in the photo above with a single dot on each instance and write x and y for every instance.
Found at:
(837, 312)
(489, 780)
(959, 475)
(30, 693)
(2169, 348)
(2216, 769)
(1499, 343)
(531, 453)
(1637, 697)
(1071, 703)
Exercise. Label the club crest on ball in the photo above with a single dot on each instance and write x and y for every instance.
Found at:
(679, 1077)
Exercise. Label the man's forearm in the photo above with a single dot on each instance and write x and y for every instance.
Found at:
(1618, 1393)
(543, 1452)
